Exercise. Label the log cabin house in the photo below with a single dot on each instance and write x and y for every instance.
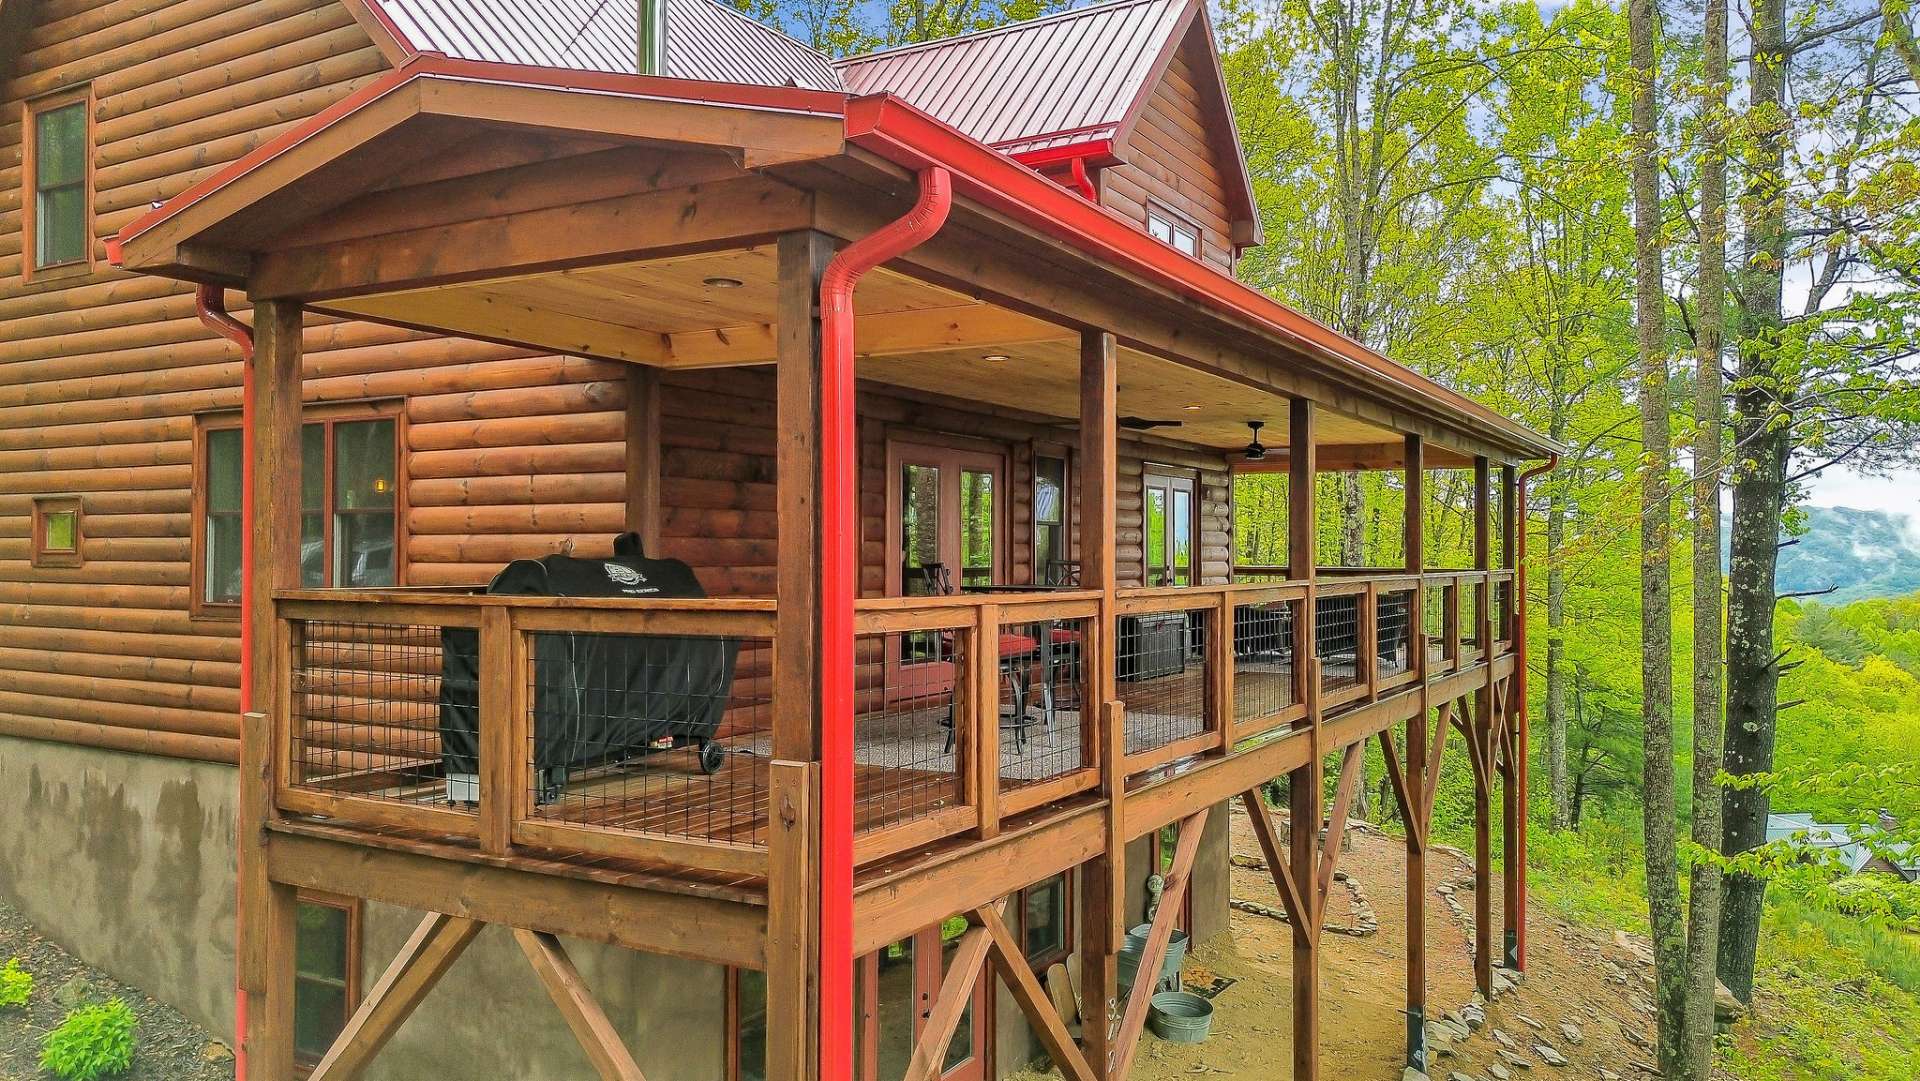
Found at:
(916, 386)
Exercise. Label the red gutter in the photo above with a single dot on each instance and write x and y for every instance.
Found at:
(1519, 866)
(839, 585)
(208, 304)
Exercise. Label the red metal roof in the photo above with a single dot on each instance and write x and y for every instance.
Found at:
(1067, 78)
(705, 40)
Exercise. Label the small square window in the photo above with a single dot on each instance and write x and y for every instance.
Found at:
(1046, 921)
(58, 197)
(56, 531)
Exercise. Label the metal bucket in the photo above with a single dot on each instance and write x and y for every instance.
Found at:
(1128, 959)
(1180, 1017)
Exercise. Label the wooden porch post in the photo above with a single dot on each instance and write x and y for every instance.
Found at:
(1304, 785)
(643, 455)
(1415, 774)
(267, 908)
(793, 913)
(1513, 807)
(1102, 879)
(1481, 726)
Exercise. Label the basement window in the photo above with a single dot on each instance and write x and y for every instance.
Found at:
(1177, 232)
(1046, 921)
(57, 161)
(326, 970)
(56, 531)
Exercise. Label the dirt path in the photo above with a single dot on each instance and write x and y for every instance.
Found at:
(1584, 979)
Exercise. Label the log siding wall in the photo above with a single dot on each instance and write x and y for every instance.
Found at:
(1172, 159)
(508, 453)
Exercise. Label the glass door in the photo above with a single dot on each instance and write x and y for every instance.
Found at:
(945, 529)
(897, 988)
(1169, 512)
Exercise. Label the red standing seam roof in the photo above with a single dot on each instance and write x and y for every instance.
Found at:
(1067, 78)
(705, 40)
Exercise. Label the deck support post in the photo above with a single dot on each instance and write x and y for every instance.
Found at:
(1514, 794)
(1414, 780)
(1481, 730)
(793, 914)
(1304, 784)
(266, 908)
(1102, 888)
(643, 456)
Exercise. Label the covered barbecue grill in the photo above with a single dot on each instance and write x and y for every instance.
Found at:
(598, 699)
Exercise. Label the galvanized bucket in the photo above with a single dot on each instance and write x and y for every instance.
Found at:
(1180, 1017)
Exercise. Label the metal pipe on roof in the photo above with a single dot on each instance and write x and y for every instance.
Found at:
(651, 54)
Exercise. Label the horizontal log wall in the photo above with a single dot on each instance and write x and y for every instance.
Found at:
(1173, 160)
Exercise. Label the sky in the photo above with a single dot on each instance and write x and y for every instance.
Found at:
(1838, 487)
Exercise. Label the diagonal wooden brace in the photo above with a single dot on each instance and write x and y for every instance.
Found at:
(1011, 963)
(582, 1011)
(956, 994)
(1274, 853)
(1350, 770)
(1134, 1020)
(432, 949)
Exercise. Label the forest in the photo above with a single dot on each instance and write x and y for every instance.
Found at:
(1684, 241)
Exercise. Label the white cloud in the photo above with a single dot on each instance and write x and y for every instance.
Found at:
(1898, 493)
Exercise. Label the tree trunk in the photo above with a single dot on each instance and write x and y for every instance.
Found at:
(1764, 439)
(1562, 801)
(1703, 916)
(1656, 553)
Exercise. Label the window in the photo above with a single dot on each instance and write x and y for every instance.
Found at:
(1173, 230)
(1046, 922)
(747, 1007)
(1052, 562)
(58, 160)
(349, 512)
(56, 531)
(1170, 528)
(326, 967)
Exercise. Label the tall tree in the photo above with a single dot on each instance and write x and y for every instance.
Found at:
(1709, 415)
(1658, 814)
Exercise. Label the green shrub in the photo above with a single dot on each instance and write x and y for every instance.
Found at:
(16, 986)
(92, 1042)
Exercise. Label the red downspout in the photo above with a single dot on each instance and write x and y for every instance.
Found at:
(839, 585)
(1083, 182)
(208, 303)
(1519, 866)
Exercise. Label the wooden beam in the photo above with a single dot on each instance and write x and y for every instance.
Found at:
(643, 456)
(1350, 778)
(1278, 866)
(494, 313)
(1353, 458)
(589, 1023)
(1303, 784)
(1098, 463)
(433, 947)
(1481, 730)
(1010, 961)
(956, 994)
(1134, 1020)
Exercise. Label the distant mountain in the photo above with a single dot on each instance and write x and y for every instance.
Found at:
(1867, 553)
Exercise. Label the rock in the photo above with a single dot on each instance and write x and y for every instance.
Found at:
(215, 1051)
(1458, 1076)
(1529, 1022)
(1608, 1075)
(1504, 1040)
(75, 993)
(1726, 1008)
(1647, 1068)
(1638, 1040)
(1572, 1032)
(1512, 1059)
(1473, 1016)
(1499, 1072)
(1411, 1074)
(1549, 1055)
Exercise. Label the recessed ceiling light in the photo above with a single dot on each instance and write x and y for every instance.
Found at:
(1193, 409)
(995, 358)
(723, 283)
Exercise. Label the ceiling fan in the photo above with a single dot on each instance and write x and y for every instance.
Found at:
(1141, 424)
(1256, 451)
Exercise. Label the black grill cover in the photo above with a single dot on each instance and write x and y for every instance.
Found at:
(596, 698)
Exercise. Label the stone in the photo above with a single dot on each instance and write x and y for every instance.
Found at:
(215, 1051)
(1473, 1016)
(1529, 1022)
(1609, 1075)
(1458, 1076)
(1411, 1074)
(1512, 1059)
(1726, 1008)
(75, 993)
(1549, 1054)
(1572, 1032)
(1499, 1072)
(1504, 1040)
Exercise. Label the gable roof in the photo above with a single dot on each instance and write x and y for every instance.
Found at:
(1078, 78)
(707, 41)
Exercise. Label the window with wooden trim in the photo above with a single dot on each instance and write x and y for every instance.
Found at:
(746, 1025)
(1171, 511)
(56, 531)
(1046, 921)
(1174, 230)
(349, 503)
(56, 196)
(326, 972)
(1053, 563)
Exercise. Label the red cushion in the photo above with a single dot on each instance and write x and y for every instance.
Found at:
(1064, 637)
(1016, 645)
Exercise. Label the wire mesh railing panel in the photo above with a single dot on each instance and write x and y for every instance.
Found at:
(1263, 668)
(1393, 633)
(1435, 621)
(366, 716)
(1043, 683)
(1503, 610)
(1161, 671)
(1470, 615)
(909, 725)
(1337, 641)
(654, 733)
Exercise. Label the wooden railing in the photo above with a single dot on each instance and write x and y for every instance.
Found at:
(643, 731)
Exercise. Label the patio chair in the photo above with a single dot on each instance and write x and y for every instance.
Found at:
(1017, 652)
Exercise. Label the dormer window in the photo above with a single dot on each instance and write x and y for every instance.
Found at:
(1173, 230)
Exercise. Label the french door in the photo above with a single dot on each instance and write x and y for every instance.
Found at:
(1170, 512)
(896, 990)
(945, 515)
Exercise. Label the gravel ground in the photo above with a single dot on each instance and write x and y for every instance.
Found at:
(170, 1048)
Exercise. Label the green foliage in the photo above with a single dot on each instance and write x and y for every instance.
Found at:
(16, 985)
(92, 1042)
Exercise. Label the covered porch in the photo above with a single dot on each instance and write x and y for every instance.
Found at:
(971, 614)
